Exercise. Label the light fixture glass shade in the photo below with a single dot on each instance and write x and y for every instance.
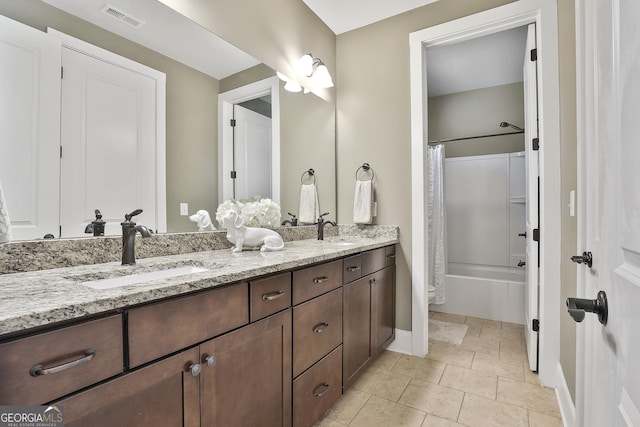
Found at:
(304, 65)
(282, 76)
(292, 86)
(322, 78)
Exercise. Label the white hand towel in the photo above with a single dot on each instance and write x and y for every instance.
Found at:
(363, 203)
(309, 206)
(5, 224)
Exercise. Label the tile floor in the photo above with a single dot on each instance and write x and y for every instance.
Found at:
(485, 381)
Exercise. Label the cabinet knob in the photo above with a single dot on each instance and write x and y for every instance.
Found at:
(195, 369)
(210, 360)
(374, 281)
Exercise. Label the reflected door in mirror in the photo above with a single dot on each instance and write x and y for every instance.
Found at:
(251, 154)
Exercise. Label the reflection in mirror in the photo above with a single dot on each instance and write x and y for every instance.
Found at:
(307, 123)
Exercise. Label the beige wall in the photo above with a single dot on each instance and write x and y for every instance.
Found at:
(478, 112)
(275, 32)
(568, 165)
(373, 121)
(192, 125)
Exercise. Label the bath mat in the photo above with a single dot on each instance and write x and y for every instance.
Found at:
(450, 333)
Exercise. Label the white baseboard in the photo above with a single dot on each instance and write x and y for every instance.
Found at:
(567, 407)
(402, 343)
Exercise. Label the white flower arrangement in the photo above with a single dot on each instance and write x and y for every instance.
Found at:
(255, 212)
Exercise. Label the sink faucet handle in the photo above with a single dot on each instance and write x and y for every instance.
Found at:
(320, 219)
(132, 214)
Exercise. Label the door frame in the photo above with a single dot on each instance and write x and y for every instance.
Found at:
(226, 100)
(523, 12)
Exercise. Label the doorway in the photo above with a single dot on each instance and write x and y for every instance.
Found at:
(543, 14)
(243, 102)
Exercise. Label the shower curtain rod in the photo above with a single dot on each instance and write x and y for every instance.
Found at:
(442, 141)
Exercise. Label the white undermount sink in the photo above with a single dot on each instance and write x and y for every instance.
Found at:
(137, 278)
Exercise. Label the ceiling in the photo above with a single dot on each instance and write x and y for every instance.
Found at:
(451, 68)
(346, 15)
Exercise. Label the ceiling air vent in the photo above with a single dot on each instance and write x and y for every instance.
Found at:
(123, 16)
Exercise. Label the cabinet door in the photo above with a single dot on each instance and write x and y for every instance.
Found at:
(357, 329)
(162, 394)
(249, 380)
(383, 309)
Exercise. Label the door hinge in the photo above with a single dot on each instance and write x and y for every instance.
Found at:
(233, 174)
(536, 234)
(61, 151)
(535, 144)
(534, 54)
(62, 72)
(233, 122)
(535, 325)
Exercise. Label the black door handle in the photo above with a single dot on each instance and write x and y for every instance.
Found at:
(586, 257)
(521, 263)
(523, 234)
(577, 307)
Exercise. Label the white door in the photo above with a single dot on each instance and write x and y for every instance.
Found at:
(532, 291)
(251, 154)
(29, 128)
(108, 144)
(608, 356)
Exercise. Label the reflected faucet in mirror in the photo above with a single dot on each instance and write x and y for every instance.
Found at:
(96, 226)
(292, 222)
(129, 230)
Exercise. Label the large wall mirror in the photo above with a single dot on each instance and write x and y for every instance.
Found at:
(198, 68)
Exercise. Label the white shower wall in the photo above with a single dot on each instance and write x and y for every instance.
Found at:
(485, 202)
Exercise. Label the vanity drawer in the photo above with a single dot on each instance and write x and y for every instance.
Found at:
(159, 329)
(270, 295)
(43, 367)
(317, 280)
(373, 260)
(317, 329)
(315, 391)
(352, 268)
(390, 255)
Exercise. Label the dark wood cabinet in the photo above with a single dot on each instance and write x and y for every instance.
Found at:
(164, 393)
(357, 329)
(246, 375)
(383, 309)
(274, 352)
(369, 313)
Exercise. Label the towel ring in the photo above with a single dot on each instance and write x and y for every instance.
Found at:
(309, 172)
(367, 168)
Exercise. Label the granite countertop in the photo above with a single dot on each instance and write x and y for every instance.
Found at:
(39, 298)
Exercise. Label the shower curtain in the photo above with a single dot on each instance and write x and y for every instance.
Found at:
(436, 224)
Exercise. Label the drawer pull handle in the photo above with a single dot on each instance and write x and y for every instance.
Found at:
(391, 255)
(320, 327)
(38, 370)
(319, 280)
(354, 268)
(321, 389)
(273, 295)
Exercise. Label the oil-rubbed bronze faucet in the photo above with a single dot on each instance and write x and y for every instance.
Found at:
(129, 230)
(321, 224)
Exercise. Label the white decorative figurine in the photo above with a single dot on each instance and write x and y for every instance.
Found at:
(240, 235)
(203, 220)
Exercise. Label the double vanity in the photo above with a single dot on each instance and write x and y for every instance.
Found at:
(209, 338)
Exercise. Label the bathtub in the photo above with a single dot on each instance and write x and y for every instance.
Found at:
(496, 293)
